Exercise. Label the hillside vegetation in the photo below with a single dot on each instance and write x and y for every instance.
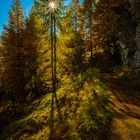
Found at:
(82, 103)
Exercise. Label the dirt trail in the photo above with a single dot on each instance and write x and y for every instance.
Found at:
(125, 109)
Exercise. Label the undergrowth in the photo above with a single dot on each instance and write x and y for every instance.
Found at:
(82, 102)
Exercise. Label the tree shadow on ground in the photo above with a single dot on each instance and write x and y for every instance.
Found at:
(124, 102)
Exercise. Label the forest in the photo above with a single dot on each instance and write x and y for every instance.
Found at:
(70, 70)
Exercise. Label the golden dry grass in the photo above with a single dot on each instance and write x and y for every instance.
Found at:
(125, 108)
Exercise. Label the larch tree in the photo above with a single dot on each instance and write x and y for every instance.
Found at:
(71, 43)
(35, 43)
(1, 69)
(12, 38)
(105, 33)
(88, 12)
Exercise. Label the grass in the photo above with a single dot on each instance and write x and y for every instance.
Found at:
(91, 109)
(82, 102)
(125, 107)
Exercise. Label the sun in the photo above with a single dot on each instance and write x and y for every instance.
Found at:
(52, 5)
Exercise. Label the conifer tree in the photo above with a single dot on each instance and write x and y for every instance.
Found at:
(88, 11)
(105, 34)
(35, 47)
(12, 40)
(71, 46)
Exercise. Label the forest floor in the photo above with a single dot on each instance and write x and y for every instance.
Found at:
(30, 121)
(124, 107)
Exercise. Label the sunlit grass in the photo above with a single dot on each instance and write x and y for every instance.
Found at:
(82, 104)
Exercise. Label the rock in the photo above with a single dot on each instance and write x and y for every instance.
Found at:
(129, 37)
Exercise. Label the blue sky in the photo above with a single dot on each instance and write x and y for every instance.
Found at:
(5, 6)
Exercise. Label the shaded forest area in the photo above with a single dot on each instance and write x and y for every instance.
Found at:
(71, 71)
